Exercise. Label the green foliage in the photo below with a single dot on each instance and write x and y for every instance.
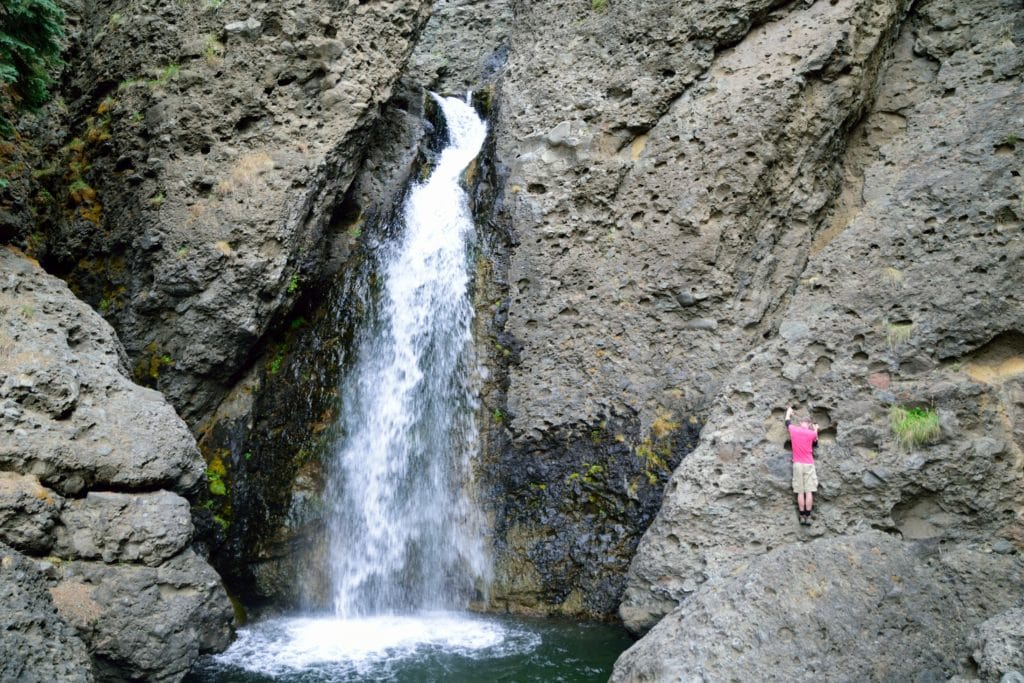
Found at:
(166, 74)
(914, 426)
(293, 284)
(30, 34)
(599, 5)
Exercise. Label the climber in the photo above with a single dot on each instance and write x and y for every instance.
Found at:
(805, 479)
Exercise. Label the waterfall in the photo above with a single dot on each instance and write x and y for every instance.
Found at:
(405, 535)
(406, 541)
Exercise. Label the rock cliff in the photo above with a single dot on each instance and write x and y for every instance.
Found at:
(208, 148)
(92, 520)
(690, 215)
(910, 297)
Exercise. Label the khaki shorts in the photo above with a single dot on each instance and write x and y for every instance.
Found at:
(805, 479)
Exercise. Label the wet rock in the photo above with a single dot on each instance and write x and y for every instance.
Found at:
(147, 528)
(36, 646)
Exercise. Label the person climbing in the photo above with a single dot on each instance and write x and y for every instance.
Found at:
(805, 480)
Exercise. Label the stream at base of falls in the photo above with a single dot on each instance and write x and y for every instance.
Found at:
(436, 646)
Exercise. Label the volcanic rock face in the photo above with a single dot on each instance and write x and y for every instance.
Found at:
(668, 165)
(216, 141)
(911, 297)
(692, 214)
(861, 607)
(117, 564)
(36, 644)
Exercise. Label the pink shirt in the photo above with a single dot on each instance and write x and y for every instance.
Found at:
(803, 441)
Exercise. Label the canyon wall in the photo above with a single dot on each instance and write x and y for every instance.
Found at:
(690, 215)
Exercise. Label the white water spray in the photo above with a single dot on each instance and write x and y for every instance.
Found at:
(405, 535)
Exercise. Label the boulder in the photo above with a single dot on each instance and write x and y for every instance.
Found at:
(69, 415)
(145, 623)
(148, 606)
(861, 607)
(28, 512)
(146, 528)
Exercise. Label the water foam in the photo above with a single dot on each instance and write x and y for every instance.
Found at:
(346, 648)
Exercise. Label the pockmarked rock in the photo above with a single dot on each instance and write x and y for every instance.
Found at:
(861, 607)
(218, 168)
(998, 645)
(147, 528)
(28, 512)
(145, 623)
(69, 414)
(912, 299)
(36, 646)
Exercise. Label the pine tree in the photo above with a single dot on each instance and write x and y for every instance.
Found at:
(30, 34)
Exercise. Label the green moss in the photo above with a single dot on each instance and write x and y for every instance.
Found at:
(216, 472)
(147, 369)
(277, 360)
(166, 75)
(293, 284)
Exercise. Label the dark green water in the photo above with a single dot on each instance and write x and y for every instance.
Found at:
(450, 647)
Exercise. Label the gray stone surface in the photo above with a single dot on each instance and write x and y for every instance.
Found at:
(480, 28)
(911, 296)
(998, 645)
(232, 133)
(145, 623)
(668, 165)
(147, 528)
(73, 420)
(28, 512)
(68, 413)
(667, 168)
(36, 646)
(860, 607)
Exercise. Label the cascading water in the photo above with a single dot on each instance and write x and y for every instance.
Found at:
(406, 543)
(404, 535)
